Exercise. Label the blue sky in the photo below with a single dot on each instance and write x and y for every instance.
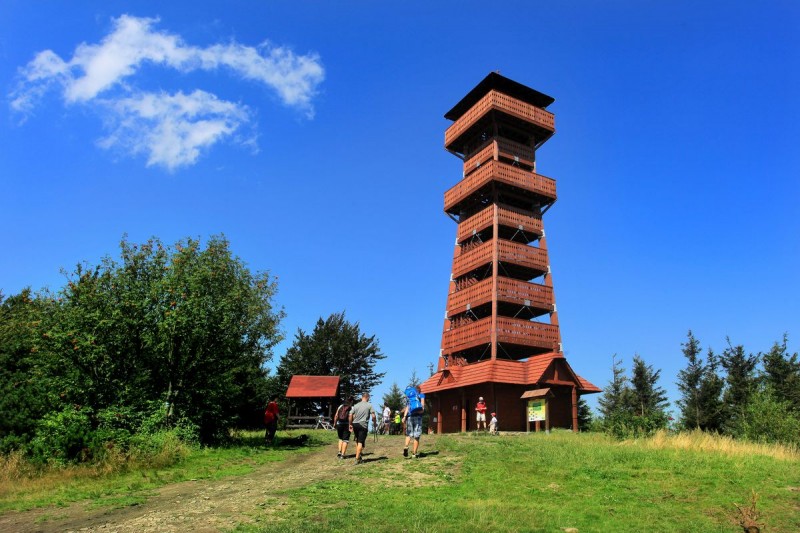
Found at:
(310, 134)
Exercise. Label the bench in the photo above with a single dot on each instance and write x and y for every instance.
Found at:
(308, 422)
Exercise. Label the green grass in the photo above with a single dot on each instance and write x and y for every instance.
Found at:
(547, 483)
(465, 483)
(60, 487)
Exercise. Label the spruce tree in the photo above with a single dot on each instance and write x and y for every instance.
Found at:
(613, 400)
(740, 382)
(781, 373)
(394, 398)
(690, 382)
(647, 399)
(710, 395)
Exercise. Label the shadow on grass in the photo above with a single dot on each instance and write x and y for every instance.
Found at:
(284, 442)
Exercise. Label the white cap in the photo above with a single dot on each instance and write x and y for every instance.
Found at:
(480, 398)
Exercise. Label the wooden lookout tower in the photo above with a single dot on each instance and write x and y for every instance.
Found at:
(501, 339)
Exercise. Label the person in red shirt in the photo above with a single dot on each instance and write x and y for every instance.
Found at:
(271, 419)
(480, 408)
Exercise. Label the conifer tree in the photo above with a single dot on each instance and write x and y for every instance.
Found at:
(781, 373)
(689, 383)
(740, 381)
(647, 398)
(613, 400)
(710, 395)
(336, 347)
(394, 398)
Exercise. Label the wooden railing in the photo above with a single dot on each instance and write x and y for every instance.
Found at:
(505, 104)
(508, 290)
(503, 173)
(472, 259)
(523, 255)
(509, 330)
(514, 331)
(508, 252)
(506, 217)
(500, 147)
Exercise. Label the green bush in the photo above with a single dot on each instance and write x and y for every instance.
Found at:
(623, 425)
(63, 436)
(767, 419)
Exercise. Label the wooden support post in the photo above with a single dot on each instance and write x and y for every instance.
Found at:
(574, 409)
(463, 412)
(547, 416)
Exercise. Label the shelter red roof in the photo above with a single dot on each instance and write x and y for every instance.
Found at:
(313, 387)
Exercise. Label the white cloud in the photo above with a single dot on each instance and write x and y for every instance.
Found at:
(104, 74)
(171, 129)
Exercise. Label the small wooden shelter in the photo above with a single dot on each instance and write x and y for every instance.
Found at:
(320, 388)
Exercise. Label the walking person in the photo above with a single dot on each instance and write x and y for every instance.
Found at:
(387, 418)
(271, 419)
(360, 416)
(480, 408)
(412, 416)
(342, 418)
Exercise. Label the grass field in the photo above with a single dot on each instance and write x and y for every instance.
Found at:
(557, 482)
(463, 483)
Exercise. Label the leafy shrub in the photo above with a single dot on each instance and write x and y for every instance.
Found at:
(63, 436)
(766, 418)
(624, 425)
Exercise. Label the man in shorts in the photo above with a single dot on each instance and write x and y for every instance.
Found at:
(360, 415)
(481, 410)
(412, 416)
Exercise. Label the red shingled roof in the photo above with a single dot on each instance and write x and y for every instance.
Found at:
(313, 387)
(536, 370)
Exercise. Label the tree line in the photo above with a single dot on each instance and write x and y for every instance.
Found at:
(736, 393)
(163, 339)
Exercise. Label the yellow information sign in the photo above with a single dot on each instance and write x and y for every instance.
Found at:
(536, 410)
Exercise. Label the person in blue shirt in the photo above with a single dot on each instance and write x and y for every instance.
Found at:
(412, 416)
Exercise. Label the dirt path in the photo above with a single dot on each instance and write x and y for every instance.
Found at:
(208, 506)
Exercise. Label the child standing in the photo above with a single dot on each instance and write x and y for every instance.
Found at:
(493, 424)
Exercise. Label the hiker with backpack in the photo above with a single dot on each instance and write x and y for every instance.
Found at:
(412, 416)
(342, 418)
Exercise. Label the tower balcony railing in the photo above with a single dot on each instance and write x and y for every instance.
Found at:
(502, 173)
(497, 148)
(523, 255)
(508, 290)
(494, 100)
(509, 330)
(528, 257)
(505, 217)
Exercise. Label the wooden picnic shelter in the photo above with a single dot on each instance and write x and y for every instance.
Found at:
(319, 388)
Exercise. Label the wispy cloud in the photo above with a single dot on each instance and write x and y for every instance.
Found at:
(171, 129)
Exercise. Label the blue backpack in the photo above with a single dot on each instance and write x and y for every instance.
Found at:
(414, 401)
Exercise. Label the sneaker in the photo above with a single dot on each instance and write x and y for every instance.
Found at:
(405, 452)
(339, 455)
(359, 461)
(414, 456)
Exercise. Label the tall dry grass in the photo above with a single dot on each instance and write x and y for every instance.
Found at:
(17, 474)
(712, 442)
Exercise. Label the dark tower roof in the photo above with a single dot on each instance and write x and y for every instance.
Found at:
(503, 85)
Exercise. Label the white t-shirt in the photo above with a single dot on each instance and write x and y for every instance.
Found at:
(387, 413)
